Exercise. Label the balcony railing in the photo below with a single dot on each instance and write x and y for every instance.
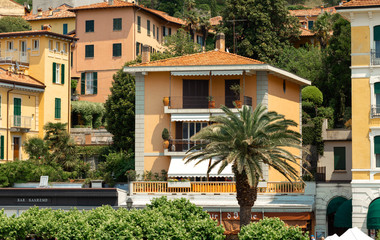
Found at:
(181, 145)
(193, 102)
(12, 56)
(20, 121)
(214, 187)
(375, 111)
(375, 56)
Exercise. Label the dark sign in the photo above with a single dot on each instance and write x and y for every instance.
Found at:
(33, 200)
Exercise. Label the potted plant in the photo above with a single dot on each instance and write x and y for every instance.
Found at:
(182, 183)
(166, 101)
(165, 137)
(211, 102)
(237, 89)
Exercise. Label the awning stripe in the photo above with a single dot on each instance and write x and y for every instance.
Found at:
(194, 73)
(224, 73)
(207, 73)
(183, 117)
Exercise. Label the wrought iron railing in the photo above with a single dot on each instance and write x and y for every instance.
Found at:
(375, 56)
(375, 111)
(181, 145)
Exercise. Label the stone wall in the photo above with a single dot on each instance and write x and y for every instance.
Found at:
(88, 136)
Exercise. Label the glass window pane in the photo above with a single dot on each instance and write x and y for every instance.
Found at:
(378, 160)
(192, 129)
(198, 127)
(185, 133)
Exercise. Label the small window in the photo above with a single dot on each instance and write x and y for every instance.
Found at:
(138, 24)
(377, 150)
(137, 48)
(36, 44)
(57, 46)
(164, 29)
(200, 40)
(57, 114)
(89, 53)
(58, 73)
(10, 45)
(89, 83)
(117, 24)
(90, 26)
(116, 50)
(339, 158)
(154, 31)
(310, 25)
(64, 48)
(284, 85)
(51, 45)
(170, 31)
(158, 34)
(148, 27)
(64, 31)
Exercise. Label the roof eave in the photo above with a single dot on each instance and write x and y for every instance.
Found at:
(359, 8)
(254, 67)
(47, 18)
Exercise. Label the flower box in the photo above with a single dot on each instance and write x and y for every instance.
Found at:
(179, 184)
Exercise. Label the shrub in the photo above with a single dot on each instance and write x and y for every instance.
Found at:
(36, 148)
(312, 94)
(165, 134)
(271, 229)
(91, 113)
(115, 166)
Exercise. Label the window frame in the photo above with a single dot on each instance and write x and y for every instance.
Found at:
(113, 49)
(57, 108)
(88, 48)
(139, 24)
(148, 27)
(115, 25)
(88, 28)
(10, 44)
(34, 41)
(335, 150)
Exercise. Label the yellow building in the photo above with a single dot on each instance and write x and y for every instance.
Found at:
(365, 51)
(34, 86)
(60, 19)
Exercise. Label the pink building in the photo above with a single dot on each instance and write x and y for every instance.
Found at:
(111, 34)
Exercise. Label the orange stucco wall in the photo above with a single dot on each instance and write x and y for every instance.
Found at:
(286, 103)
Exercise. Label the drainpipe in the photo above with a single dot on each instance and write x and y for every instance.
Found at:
(7, 141)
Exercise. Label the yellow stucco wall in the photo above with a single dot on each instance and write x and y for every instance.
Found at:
(56, 24)
(360, 44)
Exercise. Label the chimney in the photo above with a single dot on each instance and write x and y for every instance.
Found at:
(221, 42)
(46, 27)
(110, 2)
(39, 11)
(50, 11)
(145, 58)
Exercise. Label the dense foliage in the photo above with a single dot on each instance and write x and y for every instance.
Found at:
(313, 95)
(264, 27)
(271, 229)
(13, 24)
(90, 113)
(161, 220)
(180, 44)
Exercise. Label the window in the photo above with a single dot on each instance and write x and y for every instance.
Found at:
(148, 27)
(138, 24)
(71, 59)
(17, 111)
(58, 73)
(339, 158)
(64, 31)
(57, 46)
(158, 34)
(2, 147)
(189, 129)
(376, 38)
(36, 44)
(57, 108)
(154, 31)
(200, 40)
(377, 150)
(65, 48)
(310, 24)
(116, 50)
(170, 31)
(89, 83)
(51, 45)
(117, 24)
(90, 26)
(164, 31)
(137, 48)
(89, 51)
(10, 45)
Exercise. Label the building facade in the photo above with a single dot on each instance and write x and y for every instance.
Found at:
(365, 36)
(11, 8)
(34, 86)
(46, 4)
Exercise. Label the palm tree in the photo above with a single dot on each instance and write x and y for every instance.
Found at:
(323, 28)
(248, 140)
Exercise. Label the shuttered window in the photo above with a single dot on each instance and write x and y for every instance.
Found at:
(89, 83)
(339, 158)
(62, 73)
(64, 28)
(154, 31)
(117, 24)
(89, 51)
(138, 23)
(17, 111)
(377, 150)
(57, 114)
(2, 147)
(116, 49)
(90, 26)
(148, 27)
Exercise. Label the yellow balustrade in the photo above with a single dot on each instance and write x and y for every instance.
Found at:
(215, 187)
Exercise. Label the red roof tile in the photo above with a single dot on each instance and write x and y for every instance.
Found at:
(209, 58)
(36, 32)
(20, 79)
(360, 3)
(306, 32)
(216, 20)
(312, 12)
(59, 12)
(122, 4)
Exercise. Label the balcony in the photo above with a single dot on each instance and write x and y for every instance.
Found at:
(375, 111)
(20, 123)
(201, 102)
(12, 57)
(375, 56)
(181, 145)
(215, 187)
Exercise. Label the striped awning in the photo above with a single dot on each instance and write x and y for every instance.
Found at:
(178, 168)
(190, 117)
(207, 73)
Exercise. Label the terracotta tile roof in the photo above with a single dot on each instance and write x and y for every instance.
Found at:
(216, 20)
(311, 12)
(122, 4)
(209, 58)
(306, 32)
(20, 79)
(36, 32)
(59, 12)
(360, 3)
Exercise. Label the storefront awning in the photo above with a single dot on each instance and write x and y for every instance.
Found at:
(191, 73)
(343, 215)
(226, 73)
(373, 216)
(178, 168)
(335, 204)
(185, 117)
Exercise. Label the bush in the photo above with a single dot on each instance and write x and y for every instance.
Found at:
(91, 113)
(271, 229)
(115, 167)
(162, 219)
(312, 94)
(37, 149)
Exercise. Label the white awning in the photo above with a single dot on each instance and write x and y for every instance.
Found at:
(190, 117)
(191, 73)
(226, 73)
(178, 168)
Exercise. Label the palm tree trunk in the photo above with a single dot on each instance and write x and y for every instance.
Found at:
(246, 196)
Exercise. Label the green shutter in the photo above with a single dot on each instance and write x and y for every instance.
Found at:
(138, 23)
(63, 73)
(377, 144)
(95, 82)
(64, 28)
(17, 111)
(54, 69)
(339, 158)
(376, 33)
(377, 88)
(83, 84)
(148, 26)
(89, 51)
(2, 148)
(58, 108)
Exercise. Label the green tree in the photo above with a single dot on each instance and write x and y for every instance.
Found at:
(37, 149)
(331, 3)
(246, 141)
(323, 27)
(13, 24)
(180, 44)
(171, 6)
(264, 27)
